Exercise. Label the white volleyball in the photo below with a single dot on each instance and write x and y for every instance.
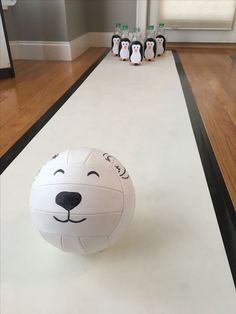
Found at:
(82, 200)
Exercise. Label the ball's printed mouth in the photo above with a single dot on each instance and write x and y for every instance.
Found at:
(68, 219)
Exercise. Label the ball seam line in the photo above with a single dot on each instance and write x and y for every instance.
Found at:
(86, 185)
(74, 214)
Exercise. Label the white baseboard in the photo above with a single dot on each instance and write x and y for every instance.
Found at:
(79, 45)
(40, 50)
(46, 50)
(103, 39)
(202, 36)
(100, 39)
(53, 50)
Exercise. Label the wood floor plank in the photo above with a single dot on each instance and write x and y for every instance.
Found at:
(212, 75)
(36, 87)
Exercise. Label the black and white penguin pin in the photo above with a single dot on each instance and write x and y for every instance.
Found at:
(136, 53)
(124, 49)
(150, 48)
(161, 44)
(115, 42)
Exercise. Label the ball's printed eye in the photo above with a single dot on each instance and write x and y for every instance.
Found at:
(59, 170)
(93, 172)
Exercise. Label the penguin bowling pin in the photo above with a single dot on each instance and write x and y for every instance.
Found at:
(150, 48)
(136, 53)
(161, 45)
(115, 42)
(124, 49)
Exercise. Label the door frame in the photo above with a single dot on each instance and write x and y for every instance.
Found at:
(6, 72)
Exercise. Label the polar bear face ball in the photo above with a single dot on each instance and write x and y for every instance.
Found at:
(82, 200)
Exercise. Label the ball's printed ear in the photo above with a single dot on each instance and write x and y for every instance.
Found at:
(108, 157)
(54, 156)
(121, 171)
(118, 167)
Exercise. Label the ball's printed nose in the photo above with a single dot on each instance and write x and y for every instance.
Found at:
(68, 200)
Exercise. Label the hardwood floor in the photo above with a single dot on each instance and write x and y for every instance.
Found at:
(212, 75)
(37, 85)
(210, 70)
